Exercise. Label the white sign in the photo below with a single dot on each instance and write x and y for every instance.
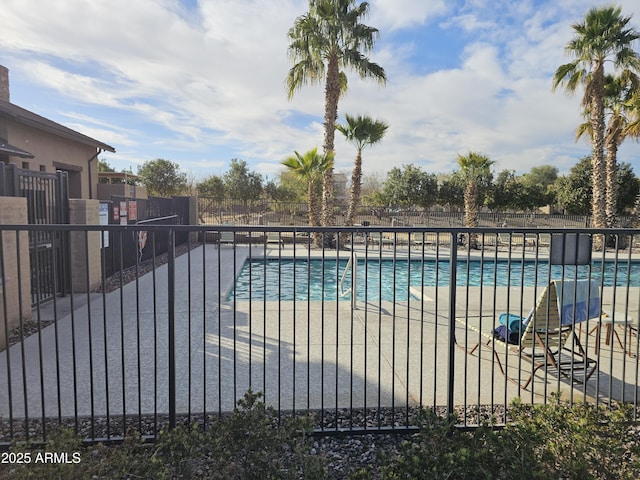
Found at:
(104, 220)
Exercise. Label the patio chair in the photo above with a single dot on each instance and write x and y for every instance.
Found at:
(424, 239)
(510, 240)
(226, 236)
(546, 330)
(544, 240)
(380, 239)
(274, 236)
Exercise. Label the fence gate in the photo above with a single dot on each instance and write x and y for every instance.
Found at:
(47, 197)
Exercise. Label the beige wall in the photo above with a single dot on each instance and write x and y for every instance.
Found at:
(83, 212)
(105, 190)
(52, 152)
(13, 210)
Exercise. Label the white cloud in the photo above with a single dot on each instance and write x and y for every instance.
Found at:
(397, 14)
(210, 81)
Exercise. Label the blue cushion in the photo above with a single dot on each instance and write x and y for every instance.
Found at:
(512, 321)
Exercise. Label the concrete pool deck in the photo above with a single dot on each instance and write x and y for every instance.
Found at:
(108, 354)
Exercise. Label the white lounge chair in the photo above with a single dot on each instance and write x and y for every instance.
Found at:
(546, 332)
(227, 236)
(274, 236)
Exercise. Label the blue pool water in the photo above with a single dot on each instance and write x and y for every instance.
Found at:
(316, 279)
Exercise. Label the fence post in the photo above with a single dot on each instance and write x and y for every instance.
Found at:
(171, 291)
(9, 181)
(453, 265)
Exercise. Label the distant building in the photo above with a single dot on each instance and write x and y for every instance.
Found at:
(340, 188)
(123, 184)
(339, 185)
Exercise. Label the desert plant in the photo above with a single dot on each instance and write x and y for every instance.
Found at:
(252, 442)
(556, 440)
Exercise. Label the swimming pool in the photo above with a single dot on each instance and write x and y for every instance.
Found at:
(317, 279)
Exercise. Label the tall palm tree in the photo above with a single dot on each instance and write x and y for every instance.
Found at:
(310, 169)
(361, 131)
(603, 36)
(632, 130)
(618, 94)
(474, 167)
(619, 110)
(324, 42)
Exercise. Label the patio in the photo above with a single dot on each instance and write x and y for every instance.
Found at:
(108, 354)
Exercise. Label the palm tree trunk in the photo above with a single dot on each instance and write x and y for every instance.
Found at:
(471, 211)
(356, 181)
(314, 215)
(598, 175)
(332, 95)
(354, 195)
(635, 215)
(611, 206)
(312, 205)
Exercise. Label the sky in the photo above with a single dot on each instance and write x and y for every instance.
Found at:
(201, 82)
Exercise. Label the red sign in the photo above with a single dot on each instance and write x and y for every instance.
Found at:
(133, 210)
(116, 213)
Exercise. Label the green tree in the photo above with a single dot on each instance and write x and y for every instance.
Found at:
(574, 190)
(603, 36)
(474, 168)
(310, 168)
(506, 192)
(410, 186)
(240, 184)
(162, 177)
(538, 186)
(372, 187)
(212, 188)
(324, 42)
(103, 166)
(361, 131)
(451, 191)
(292, 183)
(280, 192)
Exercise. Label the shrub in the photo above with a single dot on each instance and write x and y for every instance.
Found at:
(441, 452)
(252, 442)
(556, 440)
(575, 442)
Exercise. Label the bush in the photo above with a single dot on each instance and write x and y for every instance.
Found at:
(556, 440)
(441, 452)
(575, 442)
(542, 441)
(250, 443)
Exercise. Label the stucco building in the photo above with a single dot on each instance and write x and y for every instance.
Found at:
(37, 143)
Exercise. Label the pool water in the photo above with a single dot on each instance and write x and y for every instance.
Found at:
(317, 279)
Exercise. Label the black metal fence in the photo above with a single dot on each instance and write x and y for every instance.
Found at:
(47, 197)
(122, 251)
(361, 335)
(215, 212)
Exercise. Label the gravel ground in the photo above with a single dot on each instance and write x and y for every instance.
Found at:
(344, 453)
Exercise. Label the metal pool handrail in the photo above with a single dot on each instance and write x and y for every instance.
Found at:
(353, 260)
